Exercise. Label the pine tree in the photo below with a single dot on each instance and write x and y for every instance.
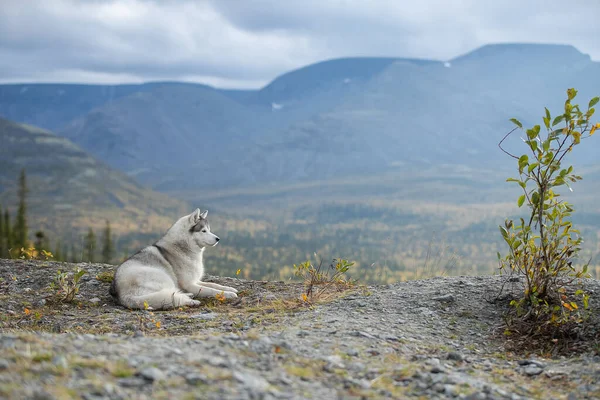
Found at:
(58, 254)
(90, 246)
(74, 254)
(1, 234)
(20, 230)
(8, 236)
(108, 247)
(65, 253)
(40, 238)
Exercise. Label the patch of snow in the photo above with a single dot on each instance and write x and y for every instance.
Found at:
(447, 64)
(276, 106)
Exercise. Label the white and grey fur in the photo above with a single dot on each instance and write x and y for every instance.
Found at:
(169, 273)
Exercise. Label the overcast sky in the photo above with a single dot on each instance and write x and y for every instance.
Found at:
(246, 43)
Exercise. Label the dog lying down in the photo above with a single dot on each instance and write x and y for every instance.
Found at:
(169, 273)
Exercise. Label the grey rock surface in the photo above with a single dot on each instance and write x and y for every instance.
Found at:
(377, 342)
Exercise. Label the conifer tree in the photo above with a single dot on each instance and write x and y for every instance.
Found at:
(20, 230)
(108, 248)
(1, 234)
(58, 254)
(74, 254)
(8, 236)
(90, 246)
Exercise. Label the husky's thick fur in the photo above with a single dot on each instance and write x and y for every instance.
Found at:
(169, 273)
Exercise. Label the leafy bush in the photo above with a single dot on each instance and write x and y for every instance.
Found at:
(31, 253)
(321, 282)
(66, 285)
(544, 247)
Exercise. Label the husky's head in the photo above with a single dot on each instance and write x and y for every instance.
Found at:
(194, 231)
(198, 227)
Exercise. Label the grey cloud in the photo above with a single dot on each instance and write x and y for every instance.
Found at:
(247, 43)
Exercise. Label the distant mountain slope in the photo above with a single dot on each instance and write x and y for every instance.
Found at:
(50, 106)
(170, 136)
(345, 117)
(70, 191)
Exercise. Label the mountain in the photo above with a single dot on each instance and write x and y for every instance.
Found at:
(70, 191)
(333, 119)
(174, 135)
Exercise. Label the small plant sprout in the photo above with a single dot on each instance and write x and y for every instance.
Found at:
(66, 285)
(544, 246)
(322, 282)
(221, 297)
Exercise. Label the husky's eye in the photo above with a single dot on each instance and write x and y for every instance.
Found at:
(203, 230)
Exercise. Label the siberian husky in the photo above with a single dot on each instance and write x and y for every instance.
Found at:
(169, 273)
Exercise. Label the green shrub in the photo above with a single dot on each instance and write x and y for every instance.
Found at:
(322, 282)
(544, 247)
(66, 286)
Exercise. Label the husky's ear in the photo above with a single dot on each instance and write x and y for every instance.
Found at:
(195, 216)
(204, 214)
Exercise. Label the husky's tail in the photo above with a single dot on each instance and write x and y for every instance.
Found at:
(113, 288)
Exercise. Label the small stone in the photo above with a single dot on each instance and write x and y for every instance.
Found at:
(252, 381)
(533, 370)
(476, 396)
(302, 334)
(437, 369)
(447, 298)
(95, 300)
(60, 361)
(151, 374)
(451, 390)
(270, 297)
(455, 356)
(138, 333)
(195, 379)
(362, 334)
(131, 382)
(205, 316)
(4, 365)
(352, 353)
(531, 362)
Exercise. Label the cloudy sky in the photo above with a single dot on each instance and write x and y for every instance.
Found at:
(246, 43)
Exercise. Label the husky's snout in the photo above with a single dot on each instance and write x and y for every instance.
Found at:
(216, 241)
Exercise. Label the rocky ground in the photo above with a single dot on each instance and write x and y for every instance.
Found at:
(435, 338)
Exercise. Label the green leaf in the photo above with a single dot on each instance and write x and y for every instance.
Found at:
(547, 113)
(512, 180)
(523, 162)
(547, 122)
(521, 200)
(558, 120)
(571, 93)
(576, 137)
(516, 122)
(532, 167)
(593, 102)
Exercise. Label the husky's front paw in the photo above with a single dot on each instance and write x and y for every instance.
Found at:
(193, 303)
(230, 295)
(229, 289)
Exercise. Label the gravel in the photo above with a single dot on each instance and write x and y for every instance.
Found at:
(435, 338)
